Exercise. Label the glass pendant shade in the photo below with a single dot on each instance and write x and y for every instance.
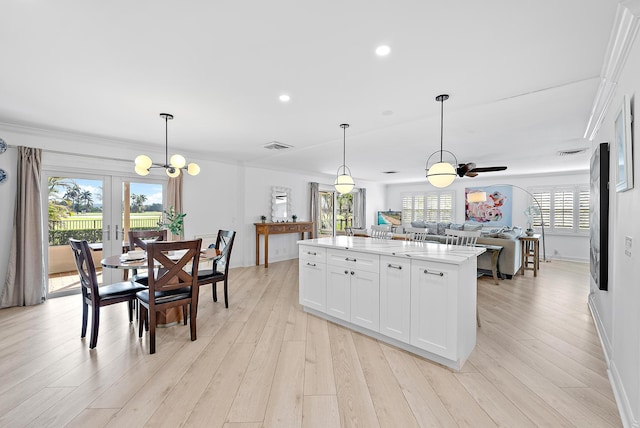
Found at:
(441, 174)
(344, 184)
(141, 171)
(178, 161)
(143, 161)
(193, 169)
(173, 172)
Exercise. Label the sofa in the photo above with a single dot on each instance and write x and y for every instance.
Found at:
(509, 261)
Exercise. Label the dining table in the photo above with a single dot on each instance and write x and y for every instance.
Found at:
(171, 316)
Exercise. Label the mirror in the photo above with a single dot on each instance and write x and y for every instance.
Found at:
(280, 204)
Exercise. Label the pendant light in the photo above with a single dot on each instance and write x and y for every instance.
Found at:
(344, 182)
(441, 174)
(171, 166)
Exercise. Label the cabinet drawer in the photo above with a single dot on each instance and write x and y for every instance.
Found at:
(353, 259)
(313, 254)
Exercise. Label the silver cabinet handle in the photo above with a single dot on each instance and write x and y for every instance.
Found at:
(108, 232)
(353, 273)
(349, 259)
(346, 272)
(311, 264)
(312, 253)
(433, 273)
(394, 266)
(116, 232)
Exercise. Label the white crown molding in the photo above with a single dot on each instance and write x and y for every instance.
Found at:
(621, 40)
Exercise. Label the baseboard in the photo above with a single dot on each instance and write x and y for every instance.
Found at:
(622, 400)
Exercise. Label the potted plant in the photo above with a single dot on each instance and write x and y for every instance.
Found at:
(294, 217)
(263, 218)
(174, 222)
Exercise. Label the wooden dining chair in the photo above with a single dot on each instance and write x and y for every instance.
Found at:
(97, 296)
(174, 283)
(140, 239)
(224, 244)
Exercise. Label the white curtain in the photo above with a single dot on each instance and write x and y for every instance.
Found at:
(25, 283)
(360, 209)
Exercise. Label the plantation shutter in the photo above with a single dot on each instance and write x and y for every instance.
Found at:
(563, 210)
(433, 202)
(583, 210)
(544, 198)
(446, 206)
(407, 209)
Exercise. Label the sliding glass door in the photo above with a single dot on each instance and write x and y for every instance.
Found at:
(336, 213)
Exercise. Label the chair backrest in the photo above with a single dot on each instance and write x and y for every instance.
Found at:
(140, 238)
(381, 231)
(224, 243)
(86, 267)
(416, 233)
(462, 237)
(178, 265)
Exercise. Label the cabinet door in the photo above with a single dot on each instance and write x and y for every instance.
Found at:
(313, 292)
(395, 297)
(365, 299)
(433, 309)
(338, 292)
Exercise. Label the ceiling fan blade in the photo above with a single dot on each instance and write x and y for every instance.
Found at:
(471, 174)
(489, 169)
(464, 168)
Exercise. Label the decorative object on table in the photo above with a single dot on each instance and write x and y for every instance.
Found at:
(531, 211)
(174, 222)
(143, 163)
(599, 216)
(344, 182)
(494, 210)
(624, 147)
(3, 175)
(3, 146)
(263, 218)
(294, 217)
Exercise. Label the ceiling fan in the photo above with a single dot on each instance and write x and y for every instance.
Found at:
(470, 169)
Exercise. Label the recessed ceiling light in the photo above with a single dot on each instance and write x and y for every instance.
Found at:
(285, 98)
(383, 50)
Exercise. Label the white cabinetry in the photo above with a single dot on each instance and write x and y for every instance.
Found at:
(353, 287)
(395, 297)
(312, 274)
(434, 308)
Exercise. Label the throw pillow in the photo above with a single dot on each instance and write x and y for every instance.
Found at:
(418, 223)
(468, 226)
(432, 227)
(508, 234)
(442, 226)
(455, 226)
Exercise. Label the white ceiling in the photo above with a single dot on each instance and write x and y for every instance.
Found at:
(522, 77)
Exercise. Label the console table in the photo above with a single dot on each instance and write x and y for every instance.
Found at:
(267, 229)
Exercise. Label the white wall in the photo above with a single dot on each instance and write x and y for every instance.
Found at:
(558, 246)
(7, 204)
(617, 311)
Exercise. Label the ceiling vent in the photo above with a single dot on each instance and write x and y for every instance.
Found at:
(572, 152)
(274, 145)
(389, 172)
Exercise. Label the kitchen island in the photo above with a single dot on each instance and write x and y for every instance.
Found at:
(420, 297)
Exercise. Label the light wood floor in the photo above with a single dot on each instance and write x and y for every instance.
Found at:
(264, 362)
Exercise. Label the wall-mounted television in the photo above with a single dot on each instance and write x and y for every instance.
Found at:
(394, 218)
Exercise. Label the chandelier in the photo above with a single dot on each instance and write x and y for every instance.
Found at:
(441, 174)
(344, 182)
(171, 166)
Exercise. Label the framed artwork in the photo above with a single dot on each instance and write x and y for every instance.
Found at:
(599, 216)
(495, 211)
(624, 147)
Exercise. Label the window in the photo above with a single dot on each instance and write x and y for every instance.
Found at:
(430, 206)
(563, 209)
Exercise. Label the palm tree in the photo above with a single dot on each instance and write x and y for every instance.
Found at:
(58, 208)
(87, 197)
(72, 195)
(137, 202)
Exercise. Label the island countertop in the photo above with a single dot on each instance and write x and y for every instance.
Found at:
(430, 251)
